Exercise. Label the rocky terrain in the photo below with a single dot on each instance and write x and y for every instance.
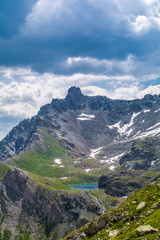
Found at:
(32, 209)
(82, 139)
(123, 183)
(144, 155)
(137, 218)
(85, 132)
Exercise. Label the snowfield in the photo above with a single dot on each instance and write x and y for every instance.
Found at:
(84, 117)
(94, 152)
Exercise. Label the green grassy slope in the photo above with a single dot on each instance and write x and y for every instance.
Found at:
(40, 160)
(3, 169)
(137, 218)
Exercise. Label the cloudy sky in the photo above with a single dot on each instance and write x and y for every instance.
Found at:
(105, 47)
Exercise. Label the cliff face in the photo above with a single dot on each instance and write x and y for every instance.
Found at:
(144, 154)
(123, 183)
(29, 209)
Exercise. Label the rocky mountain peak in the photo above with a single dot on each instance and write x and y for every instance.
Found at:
(74, 92)
(88, 122)
(75, 98)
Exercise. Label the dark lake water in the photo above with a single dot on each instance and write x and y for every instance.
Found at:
(84, 187)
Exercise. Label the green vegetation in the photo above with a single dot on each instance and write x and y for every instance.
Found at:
(48, 183)
(107, 200)
(3, 169)
(40, 160)
(6, 234)
(126, 221)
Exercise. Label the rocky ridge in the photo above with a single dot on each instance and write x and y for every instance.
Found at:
(30, 210)
(91, 127)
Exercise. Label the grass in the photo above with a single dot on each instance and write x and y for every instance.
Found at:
(40, 159)
(108, 201)
(3, 169)
(48, 183)
(7, 234)
(126, 218)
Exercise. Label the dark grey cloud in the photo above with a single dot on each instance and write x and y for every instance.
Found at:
(105, 47)
(12, 16)
(44, 34)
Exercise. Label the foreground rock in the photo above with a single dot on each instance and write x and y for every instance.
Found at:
(31, 211)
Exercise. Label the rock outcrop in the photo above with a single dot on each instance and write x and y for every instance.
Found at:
(27, 208)
(144, 155)
(122, 183)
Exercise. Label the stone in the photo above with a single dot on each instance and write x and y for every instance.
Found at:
(113, 233)
(156, 205)
(149, 212)
(145, 229)
(141, 206)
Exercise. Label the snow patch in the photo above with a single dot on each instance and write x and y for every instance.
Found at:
(125, 129)
(136, 133)
(112, 167)
(61, 165)
(149, 133)
(152, 163)
(129, 131)
(84, 117)
(58, 161)
(87, 170)
(63, 178)
(94, 152)
(146, 110)
(157, 124)
(157, 110)
(112, 159)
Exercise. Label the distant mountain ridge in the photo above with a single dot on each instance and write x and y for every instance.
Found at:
(96, 127)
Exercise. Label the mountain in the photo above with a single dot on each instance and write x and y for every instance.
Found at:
(84, 133)
(82, 139)
(137, 218)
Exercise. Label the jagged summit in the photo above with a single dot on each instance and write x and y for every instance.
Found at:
(81, 123)
(74, 92)
(75, 98)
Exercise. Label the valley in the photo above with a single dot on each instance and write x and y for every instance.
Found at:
(80, 140)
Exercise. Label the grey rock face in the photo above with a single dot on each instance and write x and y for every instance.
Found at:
(124, 183)
(144, 155)
(25, 203)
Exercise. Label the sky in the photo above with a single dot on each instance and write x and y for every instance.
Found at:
(105, 47)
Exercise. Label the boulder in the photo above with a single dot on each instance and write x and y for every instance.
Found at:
(145, 229)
